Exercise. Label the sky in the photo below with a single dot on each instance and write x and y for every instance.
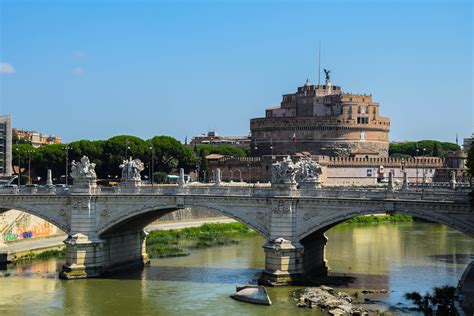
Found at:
(95, 69)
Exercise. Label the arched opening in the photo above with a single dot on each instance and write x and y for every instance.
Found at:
(24, 235)
(18, 224)
(125, 241)
(389, 258)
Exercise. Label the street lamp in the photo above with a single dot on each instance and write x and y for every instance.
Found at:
(67, 148)
(152, 163)
(416, 164)
(126, 149)
(19, 165)
(29, 165)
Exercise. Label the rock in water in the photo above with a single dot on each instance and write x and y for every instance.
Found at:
(324, 297)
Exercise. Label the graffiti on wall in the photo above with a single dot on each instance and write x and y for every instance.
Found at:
(26, 227)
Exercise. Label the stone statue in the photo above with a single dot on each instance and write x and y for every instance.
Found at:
(327, 73)
(83, 170)
(284, 172)
(131, 169)
(310, 170)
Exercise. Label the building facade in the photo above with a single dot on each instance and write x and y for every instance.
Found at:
(5, 145)
(212, 138)
(36, 139)
(335, 170)
(322, 120)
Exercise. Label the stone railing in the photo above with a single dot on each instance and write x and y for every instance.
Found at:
(437, 192)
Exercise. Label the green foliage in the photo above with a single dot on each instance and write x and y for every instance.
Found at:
(169, 155)
(226, 150)
(164, 243)
(379, 219)
(440, 295)
(45, 255)
(443, 295)
(433, 148)
(160, 177)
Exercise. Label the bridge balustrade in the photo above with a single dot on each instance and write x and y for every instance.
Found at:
(436, 192)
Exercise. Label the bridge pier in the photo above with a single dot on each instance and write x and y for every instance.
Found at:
(314, 259)
(283, 263)
(87, 258)
(288, 262)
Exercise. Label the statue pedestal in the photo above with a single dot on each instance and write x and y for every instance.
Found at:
(85, 186)
(284, 189)
(310, 185)
(131, 185)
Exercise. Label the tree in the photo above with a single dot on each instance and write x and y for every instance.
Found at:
(226, 150)
(170, 154)
(432, 148)
(436, 152)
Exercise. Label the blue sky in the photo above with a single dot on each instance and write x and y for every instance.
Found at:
(94, 69)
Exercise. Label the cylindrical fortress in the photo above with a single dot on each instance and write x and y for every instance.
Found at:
(322, 120)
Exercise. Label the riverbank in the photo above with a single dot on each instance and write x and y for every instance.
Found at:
(175, 243)
(34, 248)
(368, 219)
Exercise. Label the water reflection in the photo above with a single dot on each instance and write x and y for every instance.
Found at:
(395, 257)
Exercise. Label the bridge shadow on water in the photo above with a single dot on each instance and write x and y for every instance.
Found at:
(198, 274)
(202, 274)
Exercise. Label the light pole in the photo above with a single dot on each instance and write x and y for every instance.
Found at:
(416, 157)
(19, 165)
(29, 165)
(152, 163)
(67, 164)
(231, 175)
(126, 149)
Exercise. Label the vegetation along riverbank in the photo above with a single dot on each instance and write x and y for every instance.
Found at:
(172, 243)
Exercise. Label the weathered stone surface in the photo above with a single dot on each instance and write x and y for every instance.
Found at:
(105, 226)
(326, 298)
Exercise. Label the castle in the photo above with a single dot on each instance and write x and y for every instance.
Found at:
(322, 120)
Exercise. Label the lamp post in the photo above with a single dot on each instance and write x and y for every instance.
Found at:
(19, 165)
(67, 164)
(126, 149)
(152, 168)
(416, 164)
(231, 175)
(29, 165)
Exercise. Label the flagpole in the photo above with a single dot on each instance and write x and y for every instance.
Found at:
(319, 64)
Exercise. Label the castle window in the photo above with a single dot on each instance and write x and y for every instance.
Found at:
(362, 120)
(362, 135)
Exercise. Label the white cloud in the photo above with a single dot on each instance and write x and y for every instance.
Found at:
(6, 68)
(78, 71)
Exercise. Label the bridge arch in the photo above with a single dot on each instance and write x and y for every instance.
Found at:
(60, 220)
(141, 218)
(328, 222)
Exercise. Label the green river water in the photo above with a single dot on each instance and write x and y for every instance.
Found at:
(397, 257)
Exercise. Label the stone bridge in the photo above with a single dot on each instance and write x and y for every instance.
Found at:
(105, 225)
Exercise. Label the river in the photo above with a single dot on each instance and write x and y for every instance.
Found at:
(395, 257)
